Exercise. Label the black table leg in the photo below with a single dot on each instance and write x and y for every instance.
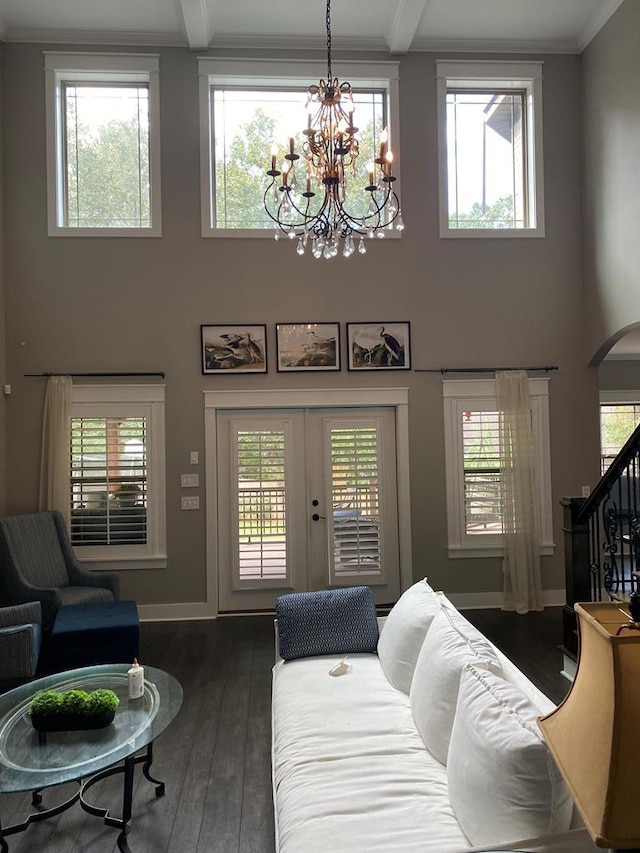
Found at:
(127, 799)
(146, 767)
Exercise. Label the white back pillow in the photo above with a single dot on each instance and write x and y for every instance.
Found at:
(404, 631)
(503, 782)
(450, 645)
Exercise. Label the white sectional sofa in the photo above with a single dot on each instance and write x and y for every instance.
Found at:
(429, 746)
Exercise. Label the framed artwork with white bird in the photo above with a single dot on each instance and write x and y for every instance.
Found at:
(379, 346)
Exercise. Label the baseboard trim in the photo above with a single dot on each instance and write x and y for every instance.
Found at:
(488, 600)
(204, 610)
(176, 612)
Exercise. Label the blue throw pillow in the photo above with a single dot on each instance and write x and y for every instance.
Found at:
(329, 622)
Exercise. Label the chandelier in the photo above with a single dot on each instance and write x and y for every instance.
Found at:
(314, 207)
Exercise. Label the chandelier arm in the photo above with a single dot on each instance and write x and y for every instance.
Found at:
(330, 152)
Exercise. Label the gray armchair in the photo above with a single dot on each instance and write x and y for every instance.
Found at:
(20, 640)
(37, 563)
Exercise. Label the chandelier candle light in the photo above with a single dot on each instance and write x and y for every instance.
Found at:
(318, 215)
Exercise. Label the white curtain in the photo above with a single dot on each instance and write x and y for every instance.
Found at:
(55, 459)
(521, 563)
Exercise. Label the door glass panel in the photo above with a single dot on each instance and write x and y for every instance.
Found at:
(261, 505)
(355, 494)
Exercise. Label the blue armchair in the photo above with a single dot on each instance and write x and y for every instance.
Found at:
(37, 563)
(20, 640)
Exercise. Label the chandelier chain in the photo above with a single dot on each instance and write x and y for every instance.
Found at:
(328, 42)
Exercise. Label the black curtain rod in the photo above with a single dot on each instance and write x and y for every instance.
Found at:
(160, 373)
(547, 369)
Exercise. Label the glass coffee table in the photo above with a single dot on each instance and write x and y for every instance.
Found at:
(30, 761)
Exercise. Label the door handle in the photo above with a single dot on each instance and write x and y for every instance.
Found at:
(316, 517)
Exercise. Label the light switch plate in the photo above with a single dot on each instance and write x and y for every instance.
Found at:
(193, 457)
(190, 503)
(189, 481)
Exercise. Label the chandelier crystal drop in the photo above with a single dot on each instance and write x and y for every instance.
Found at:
(312, 208)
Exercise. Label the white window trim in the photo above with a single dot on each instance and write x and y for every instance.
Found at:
(87, 400)
(623, 398)
(476, 74)
(265, 73)
(98, 67)
(215, 401)
(462, 395)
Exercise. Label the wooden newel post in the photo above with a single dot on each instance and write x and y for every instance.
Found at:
(576, 569)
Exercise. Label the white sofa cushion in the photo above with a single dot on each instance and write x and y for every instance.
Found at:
(503, 782)
(404, 631)
(350, 771)
(450, 645)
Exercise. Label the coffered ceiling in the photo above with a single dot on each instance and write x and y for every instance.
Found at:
(396, 26)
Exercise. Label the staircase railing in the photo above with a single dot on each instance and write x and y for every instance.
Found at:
(602, 538)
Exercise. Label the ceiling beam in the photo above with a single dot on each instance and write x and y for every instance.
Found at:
(197, 27)
(405, 24)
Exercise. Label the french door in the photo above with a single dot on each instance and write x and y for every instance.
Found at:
(307, 499)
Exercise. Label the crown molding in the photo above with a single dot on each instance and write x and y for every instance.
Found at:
(305, 43)
(492, 46)
(106, 37)
(597, 22)
(293, 43)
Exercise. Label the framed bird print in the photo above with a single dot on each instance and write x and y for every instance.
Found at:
(379, 346)
(234, 349)
(308, 346)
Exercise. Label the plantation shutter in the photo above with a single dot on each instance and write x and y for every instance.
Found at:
(481, 464)
(260, 503)
(355, 476)
(108, 481)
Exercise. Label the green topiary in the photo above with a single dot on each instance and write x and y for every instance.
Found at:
(101, 700)
(47, 702)
(51, 702)
(74, 701)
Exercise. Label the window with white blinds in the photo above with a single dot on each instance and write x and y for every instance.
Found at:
(117, 479)
(108, 481)
(355, 494)
(617, 422)
(472, 457)
(261, 504)
(481, 454)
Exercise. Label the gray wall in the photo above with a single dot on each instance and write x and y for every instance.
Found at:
(3, 349)
(611, 71)
(78, 304)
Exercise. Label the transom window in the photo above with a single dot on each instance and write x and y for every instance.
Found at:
(106, 155)
(247, 123)
(102, 144)
(248, 106)
(490, 147)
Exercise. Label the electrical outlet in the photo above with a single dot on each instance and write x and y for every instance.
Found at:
(586, 491)
(190, 503)
(189, 481)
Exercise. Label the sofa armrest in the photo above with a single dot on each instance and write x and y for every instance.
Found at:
(19, 614)
(19, 651)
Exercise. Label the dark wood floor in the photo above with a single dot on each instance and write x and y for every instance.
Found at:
(215, 757)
